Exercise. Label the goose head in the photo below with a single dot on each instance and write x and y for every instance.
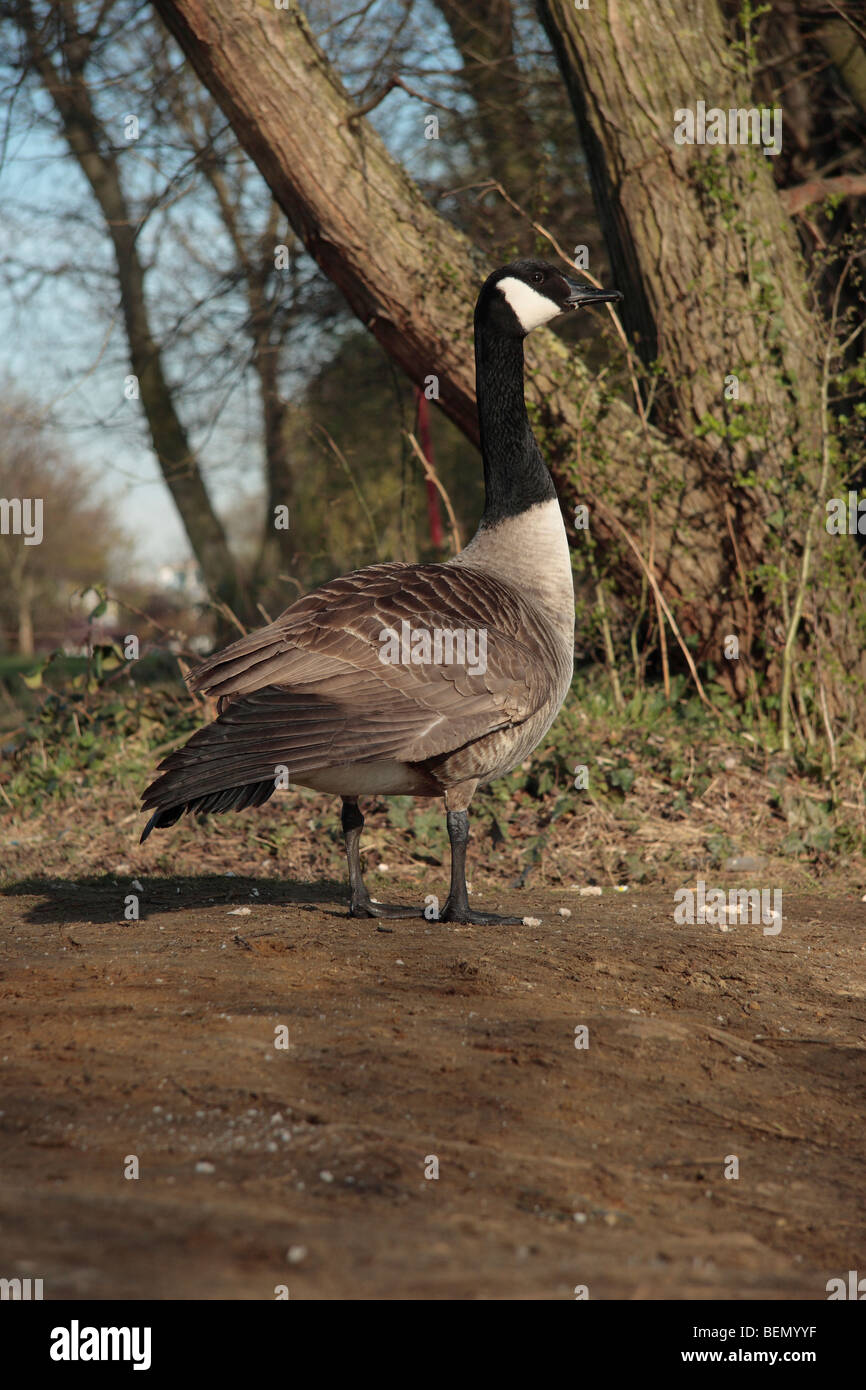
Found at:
(525, 294)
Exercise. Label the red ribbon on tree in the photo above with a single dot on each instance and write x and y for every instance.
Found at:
(425, 439)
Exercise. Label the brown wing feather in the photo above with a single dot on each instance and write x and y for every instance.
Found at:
(328, 644)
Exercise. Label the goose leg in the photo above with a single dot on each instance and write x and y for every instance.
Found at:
(361, 904)
(457, 907)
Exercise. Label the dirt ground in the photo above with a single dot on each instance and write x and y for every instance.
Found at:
(304, 1166)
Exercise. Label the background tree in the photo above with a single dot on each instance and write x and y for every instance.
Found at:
(59, 44)
(82, 542)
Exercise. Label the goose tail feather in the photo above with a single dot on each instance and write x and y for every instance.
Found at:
(199, 779)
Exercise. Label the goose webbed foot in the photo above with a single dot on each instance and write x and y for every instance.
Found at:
(362, 905)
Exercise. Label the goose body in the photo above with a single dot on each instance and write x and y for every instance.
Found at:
(418, 679)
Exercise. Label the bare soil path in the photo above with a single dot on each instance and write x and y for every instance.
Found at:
(558, 1166)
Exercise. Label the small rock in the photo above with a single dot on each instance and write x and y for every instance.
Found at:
(326, 1176)
(532, 921)
(744, 863)
(240, 912)
(592, 892)
(204, 1167)
(297, 1254)
(564, 911)
(734, 913)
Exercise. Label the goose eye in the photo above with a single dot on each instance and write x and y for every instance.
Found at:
(538, 277)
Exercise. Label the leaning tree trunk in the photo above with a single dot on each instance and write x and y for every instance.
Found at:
(411, 278)
(715, 289)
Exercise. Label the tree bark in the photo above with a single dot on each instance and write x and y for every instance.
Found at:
(412, 279)
(700, 243)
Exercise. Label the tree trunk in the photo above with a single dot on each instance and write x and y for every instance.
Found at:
(256, 263)
(91, 147)
(482, 31)
(24, 598)
(715, 290)
(839, 42)
(277, 546)
(516, 153)
(700, 243)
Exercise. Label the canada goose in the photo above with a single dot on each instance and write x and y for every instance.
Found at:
(347, 691)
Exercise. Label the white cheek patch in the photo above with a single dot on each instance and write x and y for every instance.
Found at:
(531, 308)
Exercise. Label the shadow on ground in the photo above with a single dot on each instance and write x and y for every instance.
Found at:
(101, 898)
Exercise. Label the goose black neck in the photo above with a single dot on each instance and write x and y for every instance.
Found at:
(515, 475)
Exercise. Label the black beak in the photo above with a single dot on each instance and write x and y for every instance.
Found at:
(582, 294)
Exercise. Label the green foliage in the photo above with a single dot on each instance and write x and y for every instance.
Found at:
(89, 727)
